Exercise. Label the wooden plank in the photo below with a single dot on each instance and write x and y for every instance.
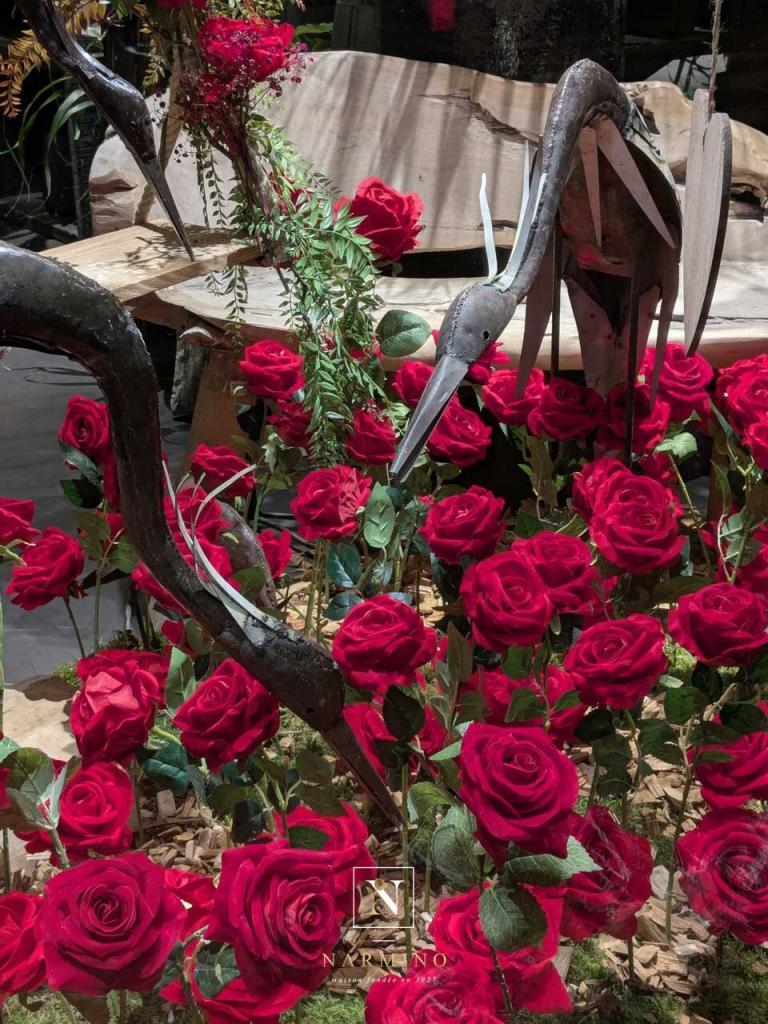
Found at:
(137, 261)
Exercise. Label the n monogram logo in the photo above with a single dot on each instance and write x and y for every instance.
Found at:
(392, 892)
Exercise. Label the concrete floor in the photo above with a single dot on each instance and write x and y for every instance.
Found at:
(34, 389)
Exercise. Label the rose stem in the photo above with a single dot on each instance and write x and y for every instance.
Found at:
(428, 881)
(631, 958)
(694, 511)
(504, 987)
(58, 846)
(267, 807)
(6, 833)
(135, 774)
(678, 831)
(593, 787)
(123, 1000)
(71, 615)
(406, 872)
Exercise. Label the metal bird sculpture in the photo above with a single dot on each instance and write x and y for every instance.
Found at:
(47, 305)
(119, 101)
(601, 212)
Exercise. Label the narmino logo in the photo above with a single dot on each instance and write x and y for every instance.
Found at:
(392, 890)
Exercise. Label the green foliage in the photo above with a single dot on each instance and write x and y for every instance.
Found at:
(323, 1008)
(737, 989)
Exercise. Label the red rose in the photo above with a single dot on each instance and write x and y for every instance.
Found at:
(520, 788)
(372, 440)
(228, 716)
(271, 370)
(196, 892)
(480, 371)
(327, 502)
(587, 483)
(754, 575)
(506, 602)
(110, 482)
(657, 466)
(497, 689)
(50, 567)
(724, 861)
(276, 905)
(743, 777)
(22, 968)
(153, 662)
(277, 550)
(382, 642)
(410, 380)
(391, 218)
(432, 735)
(16, 520)
(683, 381)
(460, 436)
(563, 723)
(500, 396)
(366, 722)
(215, 465)
(566, 410)
(617, 662)
(607, 900)
(462, 993)
(634, 524)
(742, 392)
(756, 439)
(345, 846)
(95, 806)
(86, 427)
(235, 1003)
(564, 564)
(466, 525)
(650, 423)
(109, 924)
(112, 714)
(533, 982)
(721, 624)
(250, 47)
(292, 424)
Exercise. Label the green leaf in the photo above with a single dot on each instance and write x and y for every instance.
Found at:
(307, 838)
(215, 968)
(314, 768)
(403, 714)
(320, 798)
(30, 783)
(711, 755)
(7, 746)
(93, 531)
(81, 493)
(544, 869)
(251, 581)
(459, 655)
(169, 763)
(569, 700)
(447, 753)
(511, 918)
(180, 681)
(743, 718)
(527, 525)
(525, 706)
(123, 556)
(657, 738)
(453, 848)
(379, 518)
(682, 703)
(713, 733)
(400, 333)
(681, 445)
(424, 797)
(611, 751)
(595, 725)
(518, 662)
(344, 565)
(222, 799)
(85, 466)
(249, 820)
(341, 605)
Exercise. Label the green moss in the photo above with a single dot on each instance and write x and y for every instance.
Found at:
(66, 671)
(736, 990)
(323, 1008)
(665, 850)
(588, 963)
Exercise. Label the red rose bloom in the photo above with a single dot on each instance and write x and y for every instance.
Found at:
(215, 465)
(271, 370)
(50, 567)
(466, 525)
(742, 392)
(95, 806)
(22, 968)
(460, 436)
(327, 502)
(506, 602)
(391, 218)
(432, 736)
(566, 410)
(276, 904)
(658, 467)
(683, 381)
(562, 723)
(235, 1003)
(520, 788)
(86, 427)
(744, 777)
(252, 47)
(617, 662)
(607, 900)
(109, 924)
(345, 846)
(500, 396)
(754, 575)
(533, 982)
(756, 439)
(650, 425)
(196, 892)
(724, 861)
(497, 689)
(720, 624)
(409, 381)
(155, 663)
(292, 424)
(228, 716)
(277, 550)
(462, 994)
(16, 520)
(382, 642)
(372, 440)
(587, 483)
(366, 722)
(112, 714)
(634, 524)
(564, 565)
(482, 368)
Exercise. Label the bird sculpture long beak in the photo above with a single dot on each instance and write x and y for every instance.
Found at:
(156, 179)
(448, 374)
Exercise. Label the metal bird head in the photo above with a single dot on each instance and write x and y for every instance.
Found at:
(475, 318)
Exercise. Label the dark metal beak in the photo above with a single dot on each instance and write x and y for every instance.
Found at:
(449, 372)
(156, 179)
